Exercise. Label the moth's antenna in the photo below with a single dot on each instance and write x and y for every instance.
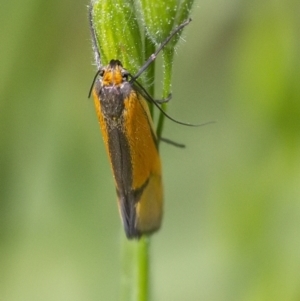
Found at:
(148, 97)
(94, 38)
(93, 83)
(161, 46)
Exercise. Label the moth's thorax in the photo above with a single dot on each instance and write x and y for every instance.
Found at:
(113, 90)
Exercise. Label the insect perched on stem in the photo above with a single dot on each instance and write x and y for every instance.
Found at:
(130, 140)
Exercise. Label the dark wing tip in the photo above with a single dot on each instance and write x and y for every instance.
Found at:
(128, 214)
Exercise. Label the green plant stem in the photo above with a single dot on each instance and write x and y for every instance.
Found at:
(167, 65)
(143, 268)
(150, 49)
(135, 270)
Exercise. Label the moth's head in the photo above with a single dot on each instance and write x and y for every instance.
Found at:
(113, 74)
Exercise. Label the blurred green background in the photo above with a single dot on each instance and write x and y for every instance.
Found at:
(231, 228)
